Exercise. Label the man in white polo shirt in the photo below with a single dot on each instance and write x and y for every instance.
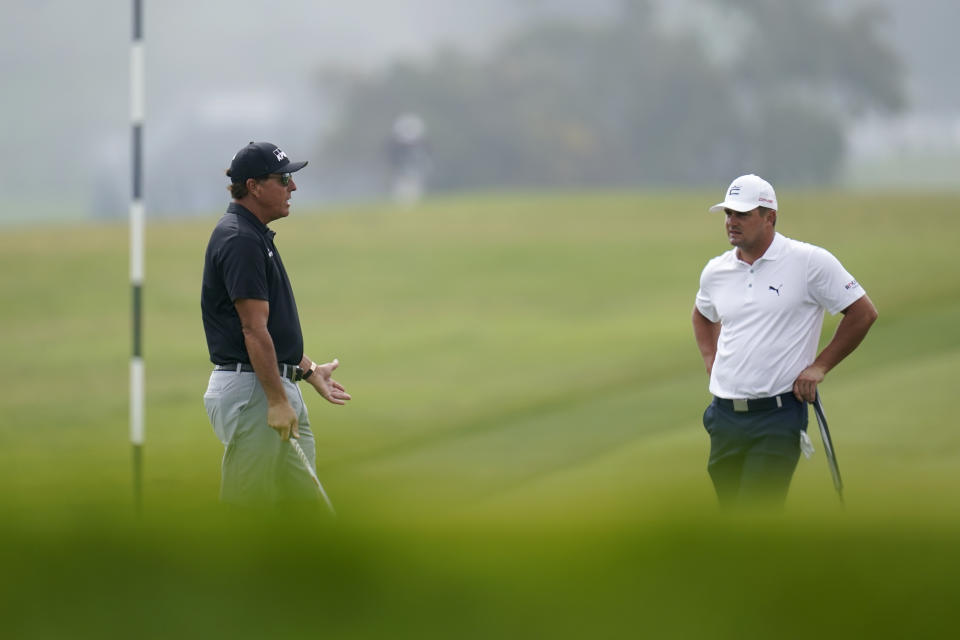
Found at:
(757, 322)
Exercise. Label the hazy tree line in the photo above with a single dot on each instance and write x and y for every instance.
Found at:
(627, 103)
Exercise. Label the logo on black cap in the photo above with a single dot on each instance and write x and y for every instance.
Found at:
(261, 159)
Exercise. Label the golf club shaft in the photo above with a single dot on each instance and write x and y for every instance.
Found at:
(313, 474)
(828, 445)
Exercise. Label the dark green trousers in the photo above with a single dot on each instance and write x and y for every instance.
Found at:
(753, 454)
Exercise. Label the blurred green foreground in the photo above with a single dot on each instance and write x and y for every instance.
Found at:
(523, 455)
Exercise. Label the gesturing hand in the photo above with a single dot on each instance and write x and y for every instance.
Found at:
(326, 386)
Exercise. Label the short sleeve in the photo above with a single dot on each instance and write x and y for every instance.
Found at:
(830, 284)
(243, 266)
(704, 302)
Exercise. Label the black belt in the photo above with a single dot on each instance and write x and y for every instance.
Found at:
(756, 404)
(291, 372)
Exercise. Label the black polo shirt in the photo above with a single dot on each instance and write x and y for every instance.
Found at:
(243, 262)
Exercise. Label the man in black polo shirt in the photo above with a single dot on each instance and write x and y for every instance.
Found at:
(255, 342)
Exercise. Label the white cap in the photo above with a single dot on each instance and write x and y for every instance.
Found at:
(746, 193)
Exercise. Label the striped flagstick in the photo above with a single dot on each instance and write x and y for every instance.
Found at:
(137, 223)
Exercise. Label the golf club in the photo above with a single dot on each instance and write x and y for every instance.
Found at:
(313, 474)
(828, 446)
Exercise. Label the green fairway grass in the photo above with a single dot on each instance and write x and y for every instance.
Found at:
(523, 456)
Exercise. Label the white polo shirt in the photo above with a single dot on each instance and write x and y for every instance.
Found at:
(771, 314)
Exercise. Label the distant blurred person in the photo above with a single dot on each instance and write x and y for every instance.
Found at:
(255, 342)
(757, 322)
(409, 156)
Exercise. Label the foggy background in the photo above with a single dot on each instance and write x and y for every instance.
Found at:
(497, 83)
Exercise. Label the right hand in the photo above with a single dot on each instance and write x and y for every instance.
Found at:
(282, 418)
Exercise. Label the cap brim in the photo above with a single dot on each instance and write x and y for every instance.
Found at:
(736, 206)
(293, 167)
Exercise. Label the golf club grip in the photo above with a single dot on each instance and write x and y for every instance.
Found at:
(303, 459)
(313, 474)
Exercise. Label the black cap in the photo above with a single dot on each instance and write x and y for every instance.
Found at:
(258, 159)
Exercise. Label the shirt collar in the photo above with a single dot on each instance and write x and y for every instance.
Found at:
(243, 212)
(775, 250)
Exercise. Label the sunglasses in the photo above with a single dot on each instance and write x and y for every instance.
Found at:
(284, 178)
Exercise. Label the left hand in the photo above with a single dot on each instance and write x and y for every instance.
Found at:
(805, 386)
(326, 386)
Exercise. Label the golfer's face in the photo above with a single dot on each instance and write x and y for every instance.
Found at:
(274, 196)
(746, 229)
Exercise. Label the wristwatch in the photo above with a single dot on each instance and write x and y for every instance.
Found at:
(309, 372)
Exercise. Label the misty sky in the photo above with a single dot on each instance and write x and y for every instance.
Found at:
(220, 73)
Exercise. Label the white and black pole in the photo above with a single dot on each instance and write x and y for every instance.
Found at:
(137, 223)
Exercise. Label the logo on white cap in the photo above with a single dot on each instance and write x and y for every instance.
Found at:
(747, 193)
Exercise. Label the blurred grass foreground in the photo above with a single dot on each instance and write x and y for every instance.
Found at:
(523, 456)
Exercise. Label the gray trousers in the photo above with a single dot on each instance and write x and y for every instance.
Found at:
(258, 468)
